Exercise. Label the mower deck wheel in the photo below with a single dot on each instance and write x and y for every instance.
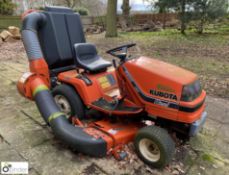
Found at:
(154, 146)
(68, 101)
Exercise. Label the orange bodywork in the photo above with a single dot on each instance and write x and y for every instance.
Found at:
(156, 74)
(39, 74)
(191, 117)
(40, 67)
(98, 89)
(30, 81)
(89, 93)
(147, 74)
(135, 80)
(116, 134)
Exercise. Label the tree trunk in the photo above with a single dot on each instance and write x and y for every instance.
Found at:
(111, 19)
(164, 19)
(68, 3)
(72, 3)
(163, 12)
(126, 11)
(200, 28)
(183, 16)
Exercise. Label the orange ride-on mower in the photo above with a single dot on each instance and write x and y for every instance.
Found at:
(139, 99)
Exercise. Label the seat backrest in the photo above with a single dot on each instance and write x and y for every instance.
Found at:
(85, 52)
(57, 36)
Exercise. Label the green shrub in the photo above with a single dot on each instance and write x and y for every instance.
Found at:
(7, 7)
(82, 11)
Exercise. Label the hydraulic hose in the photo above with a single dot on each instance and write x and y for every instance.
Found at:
(74, 136)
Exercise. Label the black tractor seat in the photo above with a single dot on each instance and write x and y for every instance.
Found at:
(86, 57)
(63, 43)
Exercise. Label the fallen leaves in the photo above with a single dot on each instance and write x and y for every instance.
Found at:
(176, 167)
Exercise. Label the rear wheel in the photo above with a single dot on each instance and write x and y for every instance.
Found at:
(154, 146)
(68, 101)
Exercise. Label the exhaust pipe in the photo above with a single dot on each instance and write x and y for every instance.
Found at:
(35, 86)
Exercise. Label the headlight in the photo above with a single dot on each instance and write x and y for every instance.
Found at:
(191, 92)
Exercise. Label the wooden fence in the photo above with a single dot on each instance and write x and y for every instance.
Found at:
(6, 21)
(87, 21)
(145, 18)
(139, 19)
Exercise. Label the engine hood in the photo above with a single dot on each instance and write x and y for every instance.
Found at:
(164, 70)
(157, 78)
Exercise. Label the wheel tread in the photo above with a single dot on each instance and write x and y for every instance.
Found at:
(163, 138)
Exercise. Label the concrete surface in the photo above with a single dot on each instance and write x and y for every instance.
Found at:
(25, 137)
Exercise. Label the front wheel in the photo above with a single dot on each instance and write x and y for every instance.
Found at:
(154, 146)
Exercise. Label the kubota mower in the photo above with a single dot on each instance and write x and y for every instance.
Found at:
(137, 99)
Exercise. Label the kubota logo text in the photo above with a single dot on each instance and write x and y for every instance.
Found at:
(163, 94)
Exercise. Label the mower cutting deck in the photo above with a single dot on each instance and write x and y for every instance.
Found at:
(68, 78)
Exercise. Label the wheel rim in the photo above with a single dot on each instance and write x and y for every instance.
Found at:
(63, 104)
(149, 150)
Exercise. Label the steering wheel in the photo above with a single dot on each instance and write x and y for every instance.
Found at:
(121, 55)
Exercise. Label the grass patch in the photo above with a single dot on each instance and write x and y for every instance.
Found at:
(206, 66)
(172, 36)
(207, 157)
(6, 21)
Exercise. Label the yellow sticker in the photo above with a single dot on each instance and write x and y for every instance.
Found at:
(103, 79)
(105, 85)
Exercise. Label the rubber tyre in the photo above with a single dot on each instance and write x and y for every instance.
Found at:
(77, 107)
(164, 143)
